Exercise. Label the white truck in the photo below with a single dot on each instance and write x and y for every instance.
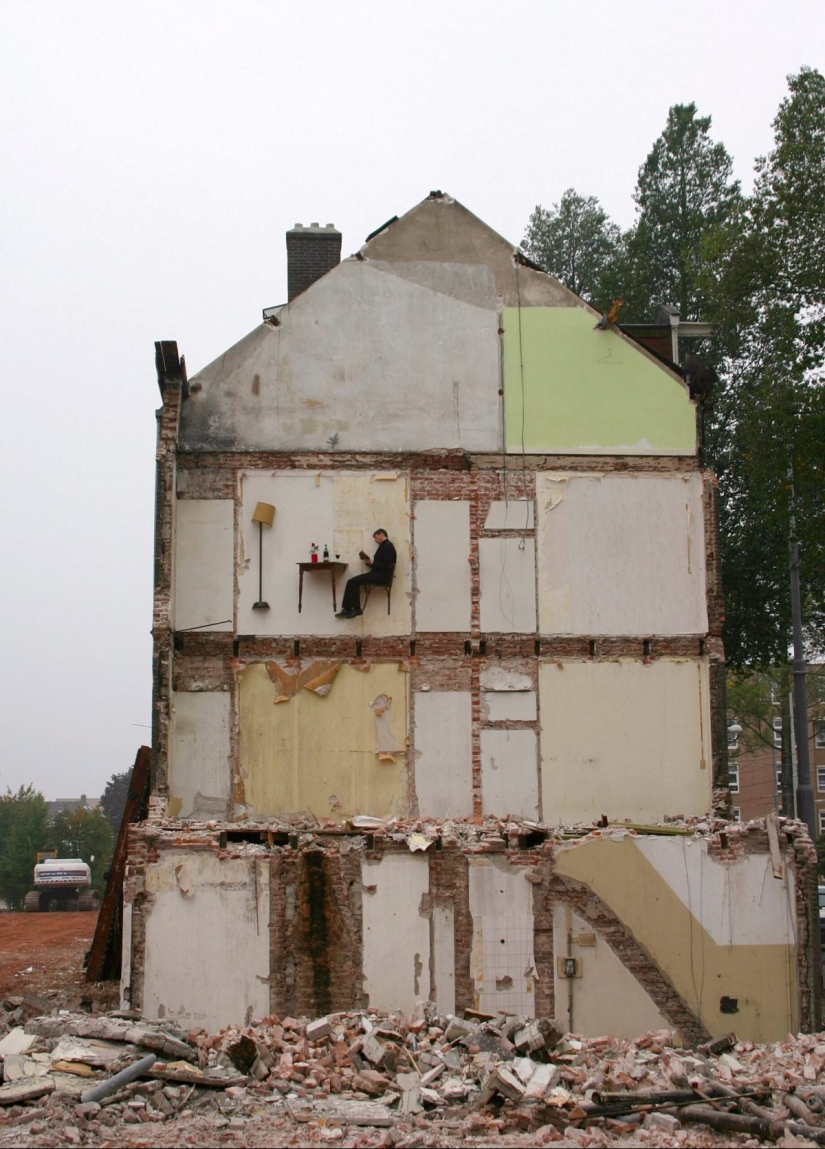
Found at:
(61, 884)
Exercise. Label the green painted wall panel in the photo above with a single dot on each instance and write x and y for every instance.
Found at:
(587, 391)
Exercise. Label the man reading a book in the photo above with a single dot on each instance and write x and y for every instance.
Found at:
(382, 566)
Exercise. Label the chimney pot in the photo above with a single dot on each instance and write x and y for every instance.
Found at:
(311, 252)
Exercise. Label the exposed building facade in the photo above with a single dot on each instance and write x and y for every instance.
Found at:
(405, 805)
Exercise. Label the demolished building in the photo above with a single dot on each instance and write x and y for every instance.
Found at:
(502, 787)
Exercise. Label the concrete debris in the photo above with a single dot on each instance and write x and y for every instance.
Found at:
(414, 1080)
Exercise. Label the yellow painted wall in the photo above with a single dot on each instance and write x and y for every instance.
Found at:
(761, 976)
(318, 751)
(588, 391)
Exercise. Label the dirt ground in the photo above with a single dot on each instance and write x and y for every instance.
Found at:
(43, 954)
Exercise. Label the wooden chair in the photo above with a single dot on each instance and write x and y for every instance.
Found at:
(371, 586)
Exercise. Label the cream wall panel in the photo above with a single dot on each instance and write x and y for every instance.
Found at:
(509, 773)
(443, 753)
(320, 752)
(621, 554)
(515, 706)
(340, 510)
(507, 579)
(607, 998)
(625, 739)
(501, 958)
(396, 933)
(200, 757)
(188, 957)
(442, 570)
(204, 563)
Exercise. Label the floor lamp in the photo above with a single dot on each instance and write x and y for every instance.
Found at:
(263, 514)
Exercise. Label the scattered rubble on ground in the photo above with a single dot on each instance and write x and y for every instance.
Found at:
(363, 1078)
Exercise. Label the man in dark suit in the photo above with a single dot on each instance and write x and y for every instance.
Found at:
(382, 566)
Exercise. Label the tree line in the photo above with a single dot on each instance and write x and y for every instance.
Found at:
(754, 267)
(25, 829)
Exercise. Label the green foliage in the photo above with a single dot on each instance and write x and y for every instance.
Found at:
(765, 280)
(574, 241)
(84, 834)
(685, 188)
(113, 802)
(23, 826)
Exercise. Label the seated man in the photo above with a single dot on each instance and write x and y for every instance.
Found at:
(382, 565)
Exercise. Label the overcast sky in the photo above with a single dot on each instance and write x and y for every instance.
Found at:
(154, 155)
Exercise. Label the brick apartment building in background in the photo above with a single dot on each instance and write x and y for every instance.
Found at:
(755, 771)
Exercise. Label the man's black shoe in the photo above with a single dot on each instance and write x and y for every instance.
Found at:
(344, 614)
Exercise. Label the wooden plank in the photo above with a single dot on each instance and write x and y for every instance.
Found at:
(104, 956)
(27, 1089)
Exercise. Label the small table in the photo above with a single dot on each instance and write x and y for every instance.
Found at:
(334, 569)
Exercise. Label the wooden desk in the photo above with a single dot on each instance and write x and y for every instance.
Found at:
(334, 569)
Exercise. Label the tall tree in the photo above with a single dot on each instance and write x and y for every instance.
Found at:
(685, 187)
(24, 820)
(113, 801)
(766, 431)
(575, 241)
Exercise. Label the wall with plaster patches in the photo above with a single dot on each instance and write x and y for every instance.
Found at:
(364, 359)
(200, 758)
(509, 773)
(624, 738)
(396, 932)
(207, 940)
(442, 569)
(507, 577)
(204, 564)
(621, 554)
(501, 903)
(443, 753)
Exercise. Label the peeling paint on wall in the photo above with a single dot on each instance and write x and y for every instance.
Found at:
(502, 961)
(295, 756)
(396, 934)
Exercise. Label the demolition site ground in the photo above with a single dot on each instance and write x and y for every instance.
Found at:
(360, 1078)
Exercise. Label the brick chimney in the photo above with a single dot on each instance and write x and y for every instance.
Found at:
(310, 253)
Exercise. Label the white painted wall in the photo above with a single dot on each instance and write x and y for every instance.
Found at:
(621, 554)
(517, 706)
(200, 757)
(507, 583)
(207, 939)
(371, 357)
(509, 772)
(501, 905)
(340, 510)
(396, 933)
(607, 998)
(625, 739)
(739, 903)
(442, 568)
(204, 564)
(443, 753)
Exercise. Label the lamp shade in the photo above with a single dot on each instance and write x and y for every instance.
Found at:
(263, 513)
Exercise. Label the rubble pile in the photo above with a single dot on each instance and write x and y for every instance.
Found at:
(366, 1078)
